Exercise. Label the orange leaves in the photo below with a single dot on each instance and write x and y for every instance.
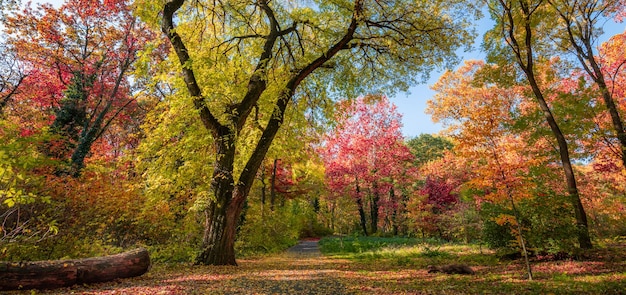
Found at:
(479, 116)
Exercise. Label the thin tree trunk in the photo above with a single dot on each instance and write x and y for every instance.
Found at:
(618, 127)
(263, 189)
(273, 185)
(584, 240)
(395, 213)
(582, 43)
(5, 100)
(359, 202)
(524, 57)
(374, 211)
(332, 216)
(518, 219)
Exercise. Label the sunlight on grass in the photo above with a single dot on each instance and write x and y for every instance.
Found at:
(608, 277)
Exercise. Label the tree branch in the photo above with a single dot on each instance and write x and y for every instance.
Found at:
(247, 175)
(208, 119)
(258, 80)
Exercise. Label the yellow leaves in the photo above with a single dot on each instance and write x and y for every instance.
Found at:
(504, 219)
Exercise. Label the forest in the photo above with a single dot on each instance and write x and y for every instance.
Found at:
(221, 133)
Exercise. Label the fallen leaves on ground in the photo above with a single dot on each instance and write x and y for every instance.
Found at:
(314, 274)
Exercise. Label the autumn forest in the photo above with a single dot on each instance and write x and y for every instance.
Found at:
(221, 133)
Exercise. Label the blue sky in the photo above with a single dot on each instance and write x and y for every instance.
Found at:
(413, 104)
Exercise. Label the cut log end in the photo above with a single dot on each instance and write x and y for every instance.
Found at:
(64, 273)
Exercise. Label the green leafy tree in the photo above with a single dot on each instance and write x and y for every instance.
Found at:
(244, 62)
(427, 147)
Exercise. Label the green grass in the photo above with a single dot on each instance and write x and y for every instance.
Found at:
(403, 251)
(352, 245)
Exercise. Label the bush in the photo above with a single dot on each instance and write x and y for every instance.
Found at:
(547, 222)
(264, 231)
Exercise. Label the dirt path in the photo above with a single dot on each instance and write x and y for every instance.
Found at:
(306, 248)
(308, 273)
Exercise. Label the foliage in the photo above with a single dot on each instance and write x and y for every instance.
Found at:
(463, 223)
(427, 147)
(366, 159)
(25, 209)
(519, 31)
(512, 180)
(229, 128)
(81, 56)
(273, 231)
(244, 69)
(440, 185)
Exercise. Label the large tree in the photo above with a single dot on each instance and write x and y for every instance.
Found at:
(519, 25)
(239, 58)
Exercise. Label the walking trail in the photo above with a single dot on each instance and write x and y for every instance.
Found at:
(308, 273)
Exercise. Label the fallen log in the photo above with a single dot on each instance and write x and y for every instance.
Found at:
(63, 273)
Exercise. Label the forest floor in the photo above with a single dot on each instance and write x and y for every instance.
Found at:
(303, 270)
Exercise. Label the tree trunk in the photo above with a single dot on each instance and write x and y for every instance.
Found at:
(583, 45)
(63, 273)
(273, 185)
(618, 126)
(222, 215)
(374, 209)
(524, 54)
(332, 217)
(395, 216)
(584, 240)
(359, 202)
(222, 219)
(263, 188)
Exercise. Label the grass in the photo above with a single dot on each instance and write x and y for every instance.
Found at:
(378, 266)
(403, 251)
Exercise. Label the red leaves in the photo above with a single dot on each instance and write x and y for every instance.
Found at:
(366, 150)
(440, 194)
(90, 44)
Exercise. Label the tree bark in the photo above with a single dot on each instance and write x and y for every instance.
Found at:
(395, 214)
(218, 247)
(359, 202)
(63, 273)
